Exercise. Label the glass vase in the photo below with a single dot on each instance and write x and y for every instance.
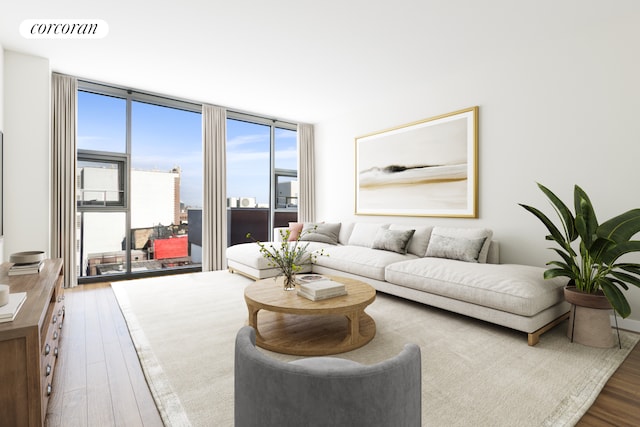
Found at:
(289, 282)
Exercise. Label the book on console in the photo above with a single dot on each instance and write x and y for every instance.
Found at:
(31, 268)
(9, 311)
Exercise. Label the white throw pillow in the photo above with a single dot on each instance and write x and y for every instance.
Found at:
(364, 233)
(466, 244)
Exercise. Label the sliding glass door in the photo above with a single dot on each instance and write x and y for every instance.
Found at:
(139, 181)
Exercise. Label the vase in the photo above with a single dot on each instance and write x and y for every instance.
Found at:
(289, 282)
(589, 320)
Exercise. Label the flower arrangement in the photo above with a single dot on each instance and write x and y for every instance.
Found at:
(287, 256)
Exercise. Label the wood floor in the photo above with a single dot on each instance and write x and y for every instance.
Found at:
(99, 382)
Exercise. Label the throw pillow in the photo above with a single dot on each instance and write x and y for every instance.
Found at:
(295, 228)
(467, 233)
(393, 240)
(321, 232)
(364, 233)
(458, 248)
(419, 241)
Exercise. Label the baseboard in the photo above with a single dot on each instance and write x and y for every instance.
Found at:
(627, 324)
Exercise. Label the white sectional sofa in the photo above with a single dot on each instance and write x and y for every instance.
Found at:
(456, 269)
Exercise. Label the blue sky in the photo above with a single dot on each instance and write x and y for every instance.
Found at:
(164, 138)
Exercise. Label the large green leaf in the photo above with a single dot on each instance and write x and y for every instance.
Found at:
(559, 272)
(566, 257)
(617, 250)
(599, 248)
(616, 297)
(630, 267)
(586, 221)
(626, 278)
(563, 211)
(555, 233)
(621, 228)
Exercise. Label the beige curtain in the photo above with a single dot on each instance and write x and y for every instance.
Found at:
(306, 174)
(64, 91)
(214, 210)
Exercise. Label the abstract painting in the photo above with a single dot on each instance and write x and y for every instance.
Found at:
(424, 168)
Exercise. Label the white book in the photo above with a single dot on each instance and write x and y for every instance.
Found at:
(13, 272)
(313, 297)
(325, 286)
(9, 311)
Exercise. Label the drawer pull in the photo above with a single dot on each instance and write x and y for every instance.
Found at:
(47, 349)
(54, 320)
(55, 351)
(48, 370)
(60, 325)
(49, 390)
(55, 335)
(60, 312)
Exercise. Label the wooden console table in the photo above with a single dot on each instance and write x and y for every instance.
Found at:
(29, 345)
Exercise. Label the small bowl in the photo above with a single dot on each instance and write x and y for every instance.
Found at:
(28, 257)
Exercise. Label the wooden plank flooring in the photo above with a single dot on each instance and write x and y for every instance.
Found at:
(99, 382)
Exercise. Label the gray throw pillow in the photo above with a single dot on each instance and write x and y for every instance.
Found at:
(393, 240)
(321, 232)
(458, 248)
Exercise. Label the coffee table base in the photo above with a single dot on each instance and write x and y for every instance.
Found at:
(312, 335)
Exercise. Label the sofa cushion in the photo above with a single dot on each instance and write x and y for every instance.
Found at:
(345, 233)
(455, 239)
(419, 241)
(393, 240)
(295, 228)
(518, 289)
(359, 260)
(364, 233)
(249, 253)
(459, 248)
(321, 232)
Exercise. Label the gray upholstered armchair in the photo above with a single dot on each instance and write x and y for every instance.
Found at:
(325, 391)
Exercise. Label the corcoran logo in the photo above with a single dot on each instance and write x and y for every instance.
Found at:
(64, 28)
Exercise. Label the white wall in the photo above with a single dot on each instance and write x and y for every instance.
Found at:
(559, 104)
(27, 157)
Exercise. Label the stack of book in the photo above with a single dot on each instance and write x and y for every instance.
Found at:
(29, 268)
(320, 289)
(9, 311)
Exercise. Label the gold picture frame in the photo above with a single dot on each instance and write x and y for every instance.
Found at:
(424, 168)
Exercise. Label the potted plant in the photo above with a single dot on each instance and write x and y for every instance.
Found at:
(594, 268)
(287, 256)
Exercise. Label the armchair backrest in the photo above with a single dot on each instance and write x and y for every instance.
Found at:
(325, 391)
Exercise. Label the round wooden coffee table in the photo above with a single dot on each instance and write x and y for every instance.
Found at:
(292, 324)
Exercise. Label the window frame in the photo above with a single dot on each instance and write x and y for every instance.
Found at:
(122, 162)
(273, 172)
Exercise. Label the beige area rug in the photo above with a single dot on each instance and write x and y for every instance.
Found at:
(474, 373)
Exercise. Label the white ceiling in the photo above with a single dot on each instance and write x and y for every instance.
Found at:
(300, 60)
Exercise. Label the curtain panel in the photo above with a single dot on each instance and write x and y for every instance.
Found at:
(214, 209)
(306, 174)
(64, 94)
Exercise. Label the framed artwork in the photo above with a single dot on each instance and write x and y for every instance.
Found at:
(425, 168)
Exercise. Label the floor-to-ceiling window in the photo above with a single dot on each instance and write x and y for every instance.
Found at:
(262, 176)
(139, 182)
